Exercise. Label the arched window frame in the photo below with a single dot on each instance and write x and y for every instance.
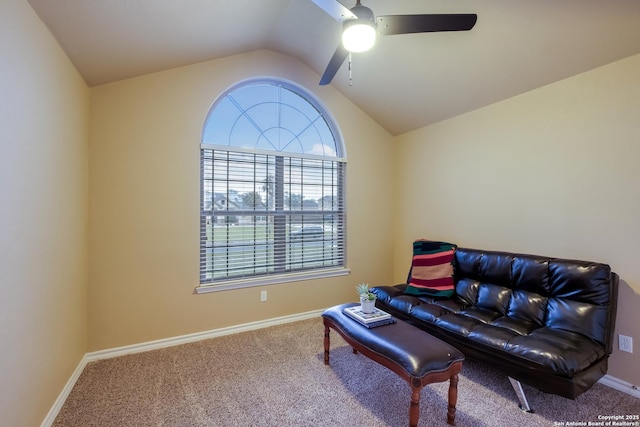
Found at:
(275, 246)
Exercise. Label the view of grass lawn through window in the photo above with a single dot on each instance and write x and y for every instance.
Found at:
(246, 250)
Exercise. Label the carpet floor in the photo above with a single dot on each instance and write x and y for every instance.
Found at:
(276, 377)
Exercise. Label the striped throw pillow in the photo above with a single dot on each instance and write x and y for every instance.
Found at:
(432, 269)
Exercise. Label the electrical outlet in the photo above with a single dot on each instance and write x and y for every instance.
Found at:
(625, 343)
(263, 296)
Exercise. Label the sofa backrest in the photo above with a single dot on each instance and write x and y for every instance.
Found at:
(571, 295)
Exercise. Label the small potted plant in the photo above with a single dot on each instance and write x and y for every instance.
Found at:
(367, 298)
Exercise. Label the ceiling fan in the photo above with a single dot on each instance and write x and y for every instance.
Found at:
(360, 27)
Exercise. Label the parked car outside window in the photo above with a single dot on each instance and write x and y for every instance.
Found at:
(307, 232)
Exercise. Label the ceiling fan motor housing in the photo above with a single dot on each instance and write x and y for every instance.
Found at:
(363, 13)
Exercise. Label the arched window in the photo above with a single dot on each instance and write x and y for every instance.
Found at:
(272, 188)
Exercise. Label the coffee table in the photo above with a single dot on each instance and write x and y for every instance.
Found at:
(413, 354)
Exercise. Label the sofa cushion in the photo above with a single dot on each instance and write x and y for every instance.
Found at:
(555, 351)
(432, 269)
(579, 317)
(467, 290)
(493, 297)
(428, 312)
(527, 307)
(395, 298)
(530, 273)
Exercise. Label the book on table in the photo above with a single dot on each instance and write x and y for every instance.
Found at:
(370, 320)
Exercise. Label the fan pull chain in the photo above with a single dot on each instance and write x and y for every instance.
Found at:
(350, 78)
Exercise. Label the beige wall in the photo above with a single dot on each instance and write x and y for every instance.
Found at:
(43, 217)
(552, 172)
(144, 211)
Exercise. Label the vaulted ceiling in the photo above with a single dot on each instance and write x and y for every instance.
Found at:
(405, 82)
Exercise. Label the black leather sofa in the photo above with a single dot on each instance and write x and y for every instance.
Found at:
(546, 322)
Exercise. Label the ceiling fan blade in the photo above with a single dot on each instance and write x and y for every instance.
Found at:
(335, 9)
(406, 24)
(339, 56)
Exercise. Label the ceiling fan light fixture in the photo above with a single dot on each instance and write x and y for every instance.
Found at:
(359, 35)
(360, 29)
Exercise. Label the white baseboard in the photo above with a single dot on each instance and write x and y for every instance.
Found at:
(198, 336)
(620, 385)
(167, 342)
(57, 405)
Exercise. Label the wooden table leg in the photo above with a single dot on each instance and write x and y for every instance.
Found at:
(453, 399)
(326, 344)
(414, 407)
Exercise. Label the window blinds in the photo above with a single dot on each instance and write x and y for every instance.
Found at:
(267, 214)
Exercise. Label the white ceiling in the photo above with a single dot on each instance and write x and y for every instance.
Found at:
(405, 82)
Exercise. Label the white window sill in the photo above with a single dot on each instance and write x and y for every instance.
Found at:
(270, 280)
